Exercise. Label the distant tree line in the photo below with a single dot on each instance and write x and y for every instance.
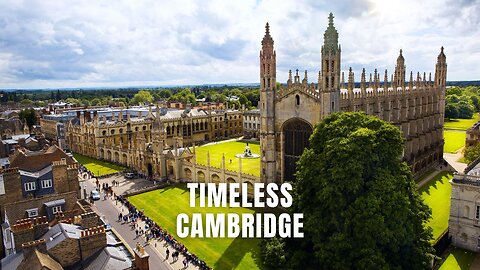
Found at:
(233, 96)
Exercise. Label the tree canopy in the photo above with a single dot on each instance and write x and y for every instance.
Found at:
(142, 97)
(360, 202)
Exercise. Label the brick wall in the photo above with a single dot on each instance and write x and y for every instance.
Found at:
(92, 240)
(16, 210)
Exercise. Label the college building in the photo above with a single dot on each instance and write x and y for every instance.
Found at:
(289, 112)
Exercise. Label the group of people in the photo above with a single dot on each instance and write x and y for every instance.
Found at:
(154, 231)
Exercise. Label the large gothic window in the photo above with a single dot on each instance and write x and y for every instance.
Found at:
(296, 133)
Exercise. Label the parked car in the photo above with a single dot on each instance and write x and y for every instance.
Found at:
(129, 176)
(95, 195)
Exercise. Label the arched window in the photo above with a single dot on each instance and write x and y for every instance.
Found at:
(297, 100)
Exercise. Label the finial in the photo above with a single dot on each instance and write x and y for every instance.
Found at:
(400, 51)
(296, 74)
(330, 19)
(267, 29)
(441, 49)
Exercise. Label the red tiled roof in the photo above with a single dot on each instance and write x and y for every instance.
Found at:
(33, 161)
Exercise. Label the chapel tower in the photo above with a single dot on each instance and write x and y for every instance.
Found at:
(329, 79)
(268, 73)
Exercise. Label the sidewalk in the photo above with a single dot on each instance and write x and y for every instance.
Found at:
(109, 210)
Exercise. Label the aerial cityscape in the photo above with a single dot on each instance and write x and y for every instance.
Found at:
(240, 135)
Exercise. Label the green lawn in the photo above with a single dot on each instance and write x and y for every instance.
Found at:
(436, 194)
(461, 124)
(454, 140)
(219, 253)
(98, 167)
(458, 259)
(230, 148)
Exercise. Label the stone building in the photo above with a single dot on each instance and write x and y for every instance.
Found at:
(464, 225)
(473, 135)
(37, 183)
(141, 138)
(251, 124)
(289, 113)
(10, 124)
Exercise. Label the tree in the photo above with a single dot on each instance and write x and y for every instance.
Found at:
(472, 152)
(29, 116)
(360, 202)
(273, 252)
(142, 97)
(465, 110)
(451, 111)
(165, 93)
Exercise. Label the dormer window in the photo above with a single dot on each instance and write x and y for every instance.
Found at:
(30, 186)
(32, 212)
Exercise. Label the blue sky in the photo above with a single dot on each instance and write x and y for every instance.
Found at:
(94, 43)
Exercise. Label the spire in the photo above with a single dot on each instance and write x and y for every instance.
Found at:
(385, 81)
(342, 82)
(267, 39)
(410, 83)
(370, 85)
(362, 82)
(400, 57)
(441, 57)
(305, 79)
(330, 36)
(351, 80)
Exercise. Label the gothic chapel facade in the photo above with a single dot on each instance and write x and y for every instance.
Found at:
(289, 113)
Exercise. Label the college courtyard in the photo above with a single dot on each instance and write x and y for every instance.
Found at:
(225, 253)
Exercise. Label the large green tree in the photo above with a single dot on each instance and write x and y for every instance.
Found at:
(28, 116)
(142, 97)
(360, 202)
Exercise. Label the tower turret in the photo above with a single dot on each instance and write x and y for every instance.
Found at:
(400, 71)
(268, 81)
(330, 70)
(441, 69)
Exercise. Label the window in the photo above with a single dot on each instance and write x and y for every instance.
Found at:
(32, 212)
(297, 100)
(56, 209)
(47, 183)
(31, 186)
(477, 212)
(333, 105)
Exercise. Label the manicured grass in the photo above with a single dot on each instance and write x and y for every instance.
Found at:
(98, 167)
(164, 205)
(458, 259)
(461, 124)
(454, 140)
(230, 148)
(436, 194)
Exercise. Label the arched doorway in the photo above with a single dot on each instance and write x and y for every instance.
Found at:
(296, 133)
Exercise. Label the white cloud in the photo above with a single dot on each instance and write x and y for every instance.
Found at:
(121, 43)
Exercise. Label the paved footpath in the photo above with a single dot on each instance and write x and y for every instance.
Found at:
(109, 210)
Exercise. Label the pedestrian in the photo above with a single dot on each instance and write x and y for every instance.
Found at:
(136, 233)
(120, 216)
(168, 253)
(185, 263)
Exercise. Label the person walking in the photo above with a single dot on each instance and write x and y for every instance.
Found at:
(185, 263)
(168, 253)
